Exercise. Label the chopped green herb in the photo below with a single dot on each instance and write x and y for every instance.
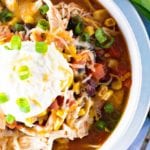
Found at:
(24, 72)
(3, 98)
(6, 15)
(18, 27)
(101, 125)
(44, 9)
(85, 37)
(7, 47)
(108, 43)
(10, 119)
(100, 36)
(23, 104)
(41, 47)
(108, 108)
(15, 42)
(79, 28)
(43, 24)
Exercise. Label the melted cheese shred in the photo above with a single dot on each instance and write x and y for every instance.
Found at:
(27, 10)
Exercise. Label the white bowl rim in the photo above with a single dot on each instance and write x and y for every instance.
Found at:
(121, 129)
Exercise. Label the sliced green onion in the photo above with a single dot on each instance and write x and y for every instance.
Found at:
(15, 42)
(10, 119)
(41, 47)
(85, 37)
(6, 15)
(7, 47)
(100, 36)
(44, 9)
(24, 72)
(79, 28)
(101, 125)
(43, 24)
(108, 43)
(3, 98)
(108, 108)
(18, 27)
(23, 104)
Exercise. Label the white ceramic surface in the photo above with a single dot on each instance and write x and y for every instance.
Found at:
(121, 129)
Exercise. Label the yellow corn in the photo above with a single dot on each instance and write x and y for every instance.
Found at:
(82, 112)
(76, 87)
(116, 85)
(113, 63)
(100, 15)
(89, 30)
(110, 22)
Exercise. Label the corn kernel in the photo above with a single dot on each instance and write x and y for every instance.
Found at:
(100, 15)
(89, 30)
(116, 85)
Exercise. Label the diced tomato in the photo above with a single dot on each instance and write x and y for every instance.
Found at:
(122, 70)
(114, 52)
(54, 105)
(71, 103)
(127, 83)
(99, 72)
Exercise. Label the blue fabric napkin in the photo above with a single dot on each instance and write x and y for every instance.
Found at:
(138, 144)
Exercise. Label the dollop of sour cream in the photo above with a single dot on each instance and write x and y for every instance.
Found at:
(50, 74)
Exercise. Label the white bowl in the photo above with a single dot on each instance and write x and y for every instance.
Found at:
(133, 100)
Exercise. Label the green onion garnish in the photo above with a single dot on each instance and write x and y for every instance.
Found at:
(3, 98)
(44, 9)
(6, 15)
(15, 42)
(85, 37)
(79, 28)
(43, 24)
(10, 119)
(108, 108)
(108, 43)
(41, 47)
(24, 72)
(101, 125)
(100, 36)
(18, 27)
(23, 104)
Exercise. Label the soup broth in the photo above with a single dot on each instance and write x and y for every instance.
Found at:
(69, 69)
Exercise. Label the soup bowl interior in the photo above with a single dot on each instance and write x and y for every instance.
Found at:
(122, 127)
